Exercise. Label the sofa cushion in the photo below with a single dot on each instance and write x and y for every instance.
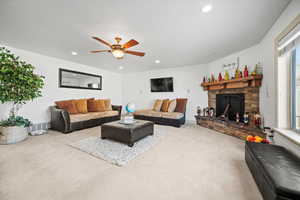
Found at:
(96, 105)
(79, 117)
(140, 112)
(92, 115)
(180, 105)
(81, 105)
(149, 113)
(165, 105)
(172, 115)
(67, 105)
(172, 105)
(111, 113)
(96, 115)
(107, 103)
(157, 105)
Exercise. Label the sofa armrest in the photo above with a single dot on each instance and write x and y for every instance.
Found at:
(117, 108)
(60, 119)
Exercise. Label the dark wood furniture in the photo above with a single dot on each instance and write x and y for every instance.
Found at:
(128, 134)
(275, 170)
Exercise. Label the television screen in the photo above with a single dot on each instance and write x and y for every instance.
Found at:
(162, 85)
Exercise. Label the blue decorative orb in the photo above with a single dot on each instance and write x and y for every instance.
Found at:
(130, 107)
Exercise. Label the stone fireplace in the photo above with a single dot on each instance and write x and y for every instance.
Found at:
(242, 96)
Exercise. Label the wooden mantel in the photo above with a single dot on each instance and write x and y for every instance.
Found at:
(251, 81)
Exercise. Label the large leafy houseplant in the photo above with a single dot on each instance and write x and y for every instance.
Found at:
(18, 84)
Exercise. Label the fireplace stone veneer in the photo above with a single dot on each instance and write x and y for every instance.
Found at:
(239, 130)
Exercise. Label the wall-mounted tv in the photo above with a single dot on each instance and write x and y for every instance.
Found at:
(162, 84)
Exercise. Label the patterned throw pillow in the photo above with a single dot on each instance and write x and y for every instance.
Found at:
(67, 105)
(172, 105)
(157, 105)
(165, 105)
(96, 105)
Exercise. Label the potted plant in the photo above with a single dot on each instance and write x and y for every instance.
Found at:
(18, 84)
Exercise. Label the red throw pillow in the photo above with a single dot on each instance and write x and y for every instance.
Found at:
(180, 105)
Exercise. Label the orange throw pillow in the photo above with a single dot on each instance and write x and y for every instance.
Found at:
(165, 105)
(81, 105)
(107, 104)
(96, 105)
(68, 105)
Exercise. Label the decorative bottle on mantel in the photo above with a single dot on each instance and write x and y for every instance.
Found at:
(246, 72)
(237, 73)
(212, 78)
(241, 74)
(226, 75)
(220, 78)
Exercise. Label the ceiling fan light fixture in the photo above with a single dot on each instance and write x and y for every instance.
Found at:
(118, 53)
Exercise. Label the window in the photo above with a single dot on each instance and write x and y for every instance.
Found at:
(295, 88)
(288, 77)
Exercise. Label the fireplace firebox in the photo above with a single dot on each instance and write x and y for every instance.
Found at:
(232, 104)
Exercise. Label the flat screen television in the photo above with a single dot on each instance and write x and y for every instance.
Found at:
(162, 84)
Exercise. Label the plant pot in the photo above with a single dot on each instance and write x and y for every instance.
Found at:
(12, 134)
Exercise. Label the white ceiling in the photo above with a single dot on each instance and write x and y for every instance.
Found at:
(175, 32)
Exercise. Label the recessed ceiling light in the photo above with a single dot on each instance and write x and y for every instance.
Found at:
(207, 8)
(121, 67)
(157, 61)
(74, 53)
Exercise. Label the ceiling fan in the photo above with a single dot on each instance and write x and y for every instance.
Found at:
(118, 50)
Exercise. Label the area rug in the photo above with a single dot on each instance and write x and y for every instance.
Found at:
(114, 152)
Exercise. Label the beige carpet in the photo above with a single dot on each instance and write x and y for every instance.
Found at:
(189, 163)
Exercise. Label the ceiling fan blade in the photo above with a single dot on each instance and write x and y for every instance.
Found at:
(102, 41)
(136, 53)
(99, 51)
(130, 43)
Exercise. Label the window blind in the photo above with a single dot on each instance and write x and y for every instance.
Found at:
(290, 41)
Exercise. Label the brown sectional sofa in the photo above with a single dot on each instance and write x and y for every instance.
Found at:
(176, 118)
(65, 122)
